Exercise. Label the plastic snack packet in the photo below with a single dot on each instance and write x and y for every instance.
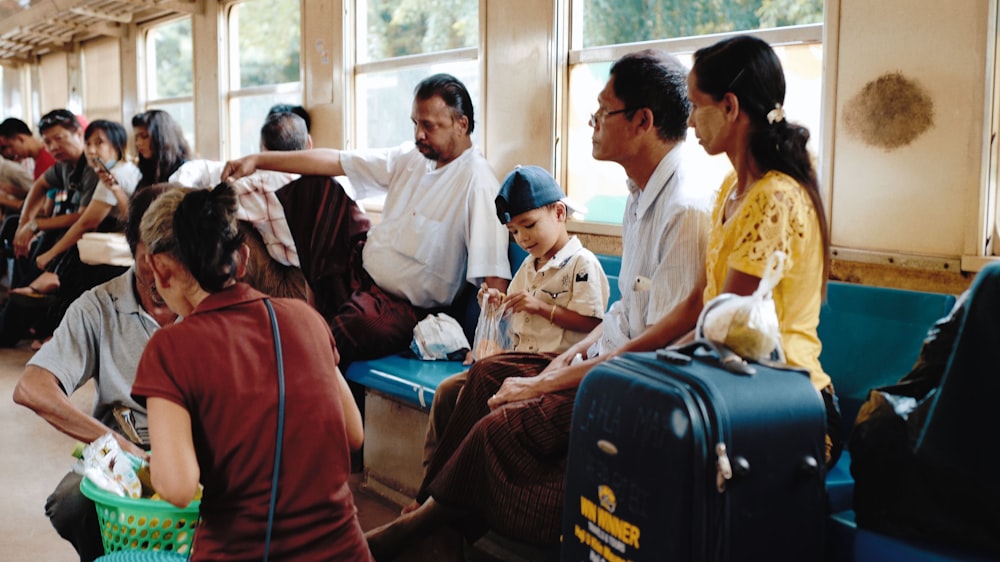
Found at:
(748, 325)
(110, 468)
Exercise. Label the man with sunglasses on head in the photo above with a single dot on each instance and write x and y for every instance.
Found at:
(71, 182)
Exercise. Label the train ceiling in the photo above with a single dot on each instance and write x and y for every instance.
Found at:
(29, 28)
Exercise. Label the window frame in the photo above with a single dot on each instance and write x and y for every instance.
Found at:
(229, 82)
(809, 34)
(146, 73)
(984, 227)
(143, 101)
(406, 62)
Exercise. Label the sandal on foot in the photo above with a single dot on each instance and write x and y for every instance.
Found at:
(31, 297)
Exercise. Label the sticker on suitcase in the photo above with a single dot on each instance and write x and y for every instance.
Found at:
(607, 535)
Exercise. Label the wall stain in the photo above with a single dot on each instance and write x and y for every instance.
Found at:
(889, 112)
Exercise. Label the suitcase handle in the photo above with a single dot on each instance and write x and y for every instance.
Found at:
(708, 352)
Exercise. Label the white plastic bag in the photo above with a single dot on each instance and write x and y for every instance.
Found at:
(109, 248)
(492, 329)
(748, 325)
(110, 468)
(439, 336)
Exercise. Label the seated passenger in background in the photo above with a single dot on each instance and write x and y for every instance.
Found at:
(219, 430)
(500, 463)
(297, 110)
(268, 275)
(281, 131)
(259, 205)
(101, 338)
(15, 182)
(70, 186)
(160, 144)
(64, 276)
(18, 144)
(437, 229)
(557, 296)
(105, 143)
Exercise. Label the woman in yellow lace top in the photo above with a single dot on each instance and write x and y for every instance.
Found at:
(769, 202)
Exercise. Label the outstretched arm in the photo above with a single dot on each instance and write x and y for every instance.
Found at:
(39, 390)
(314, 162)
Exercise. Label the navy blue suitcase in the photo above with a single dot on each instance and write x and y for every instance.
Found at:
(674, 457)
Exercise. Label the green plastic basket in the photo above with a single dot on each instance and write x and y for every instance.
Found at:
(142, 524)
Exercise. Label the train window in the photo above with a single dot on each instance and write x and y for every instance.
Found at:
(15, 102)
(168, 72)
(603, 30)
(400, 42)
(265, 68)
(611, 22)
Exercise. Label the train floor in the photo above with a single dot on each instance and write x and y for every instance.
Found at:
(36, 457)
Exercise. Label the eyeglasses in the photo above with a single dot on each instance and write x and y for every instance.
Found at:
(61, 118)
(603, 114)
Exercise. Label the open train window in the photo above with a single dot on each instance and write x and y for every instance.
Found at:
(168, 72)
(400, 42)
(264, 53)
(603, 30)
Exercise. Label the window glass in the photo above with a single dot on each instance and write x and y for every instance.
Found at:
(169, 64)
(396, 28)
(265, 67)
(169, 74)
(268, 42)
(610, 22)
(600, 186)
(385, 101)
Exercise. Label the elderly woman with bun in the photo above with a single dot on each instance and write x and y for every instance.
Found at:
(211, 383)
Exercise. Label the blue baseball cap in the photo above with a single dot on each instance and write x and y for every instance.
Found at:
(524, 189)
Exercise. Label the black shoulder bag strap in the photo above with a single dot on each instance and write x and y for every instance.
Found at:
(281, 427)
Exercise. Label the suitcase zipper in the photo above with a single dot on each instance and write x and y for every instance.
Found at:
(723, 468)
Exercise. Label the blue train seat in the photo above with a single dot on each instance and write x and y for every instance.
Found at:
(413, 381)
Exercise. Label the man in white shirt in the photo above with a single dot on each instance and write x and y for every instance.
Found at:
(501, 458)
(438, 227)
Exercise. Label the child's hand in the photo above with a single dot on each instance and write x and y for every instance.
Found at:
(526, 302)
(494, 296)
(469, 358)
(105, 176)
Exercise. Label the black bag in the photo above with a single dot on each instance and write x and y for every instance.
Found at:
(917, 470)
(674, 457)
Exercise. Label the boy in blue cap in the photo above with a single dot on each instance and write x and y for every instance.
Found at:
(560, 292)
(558, 295)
